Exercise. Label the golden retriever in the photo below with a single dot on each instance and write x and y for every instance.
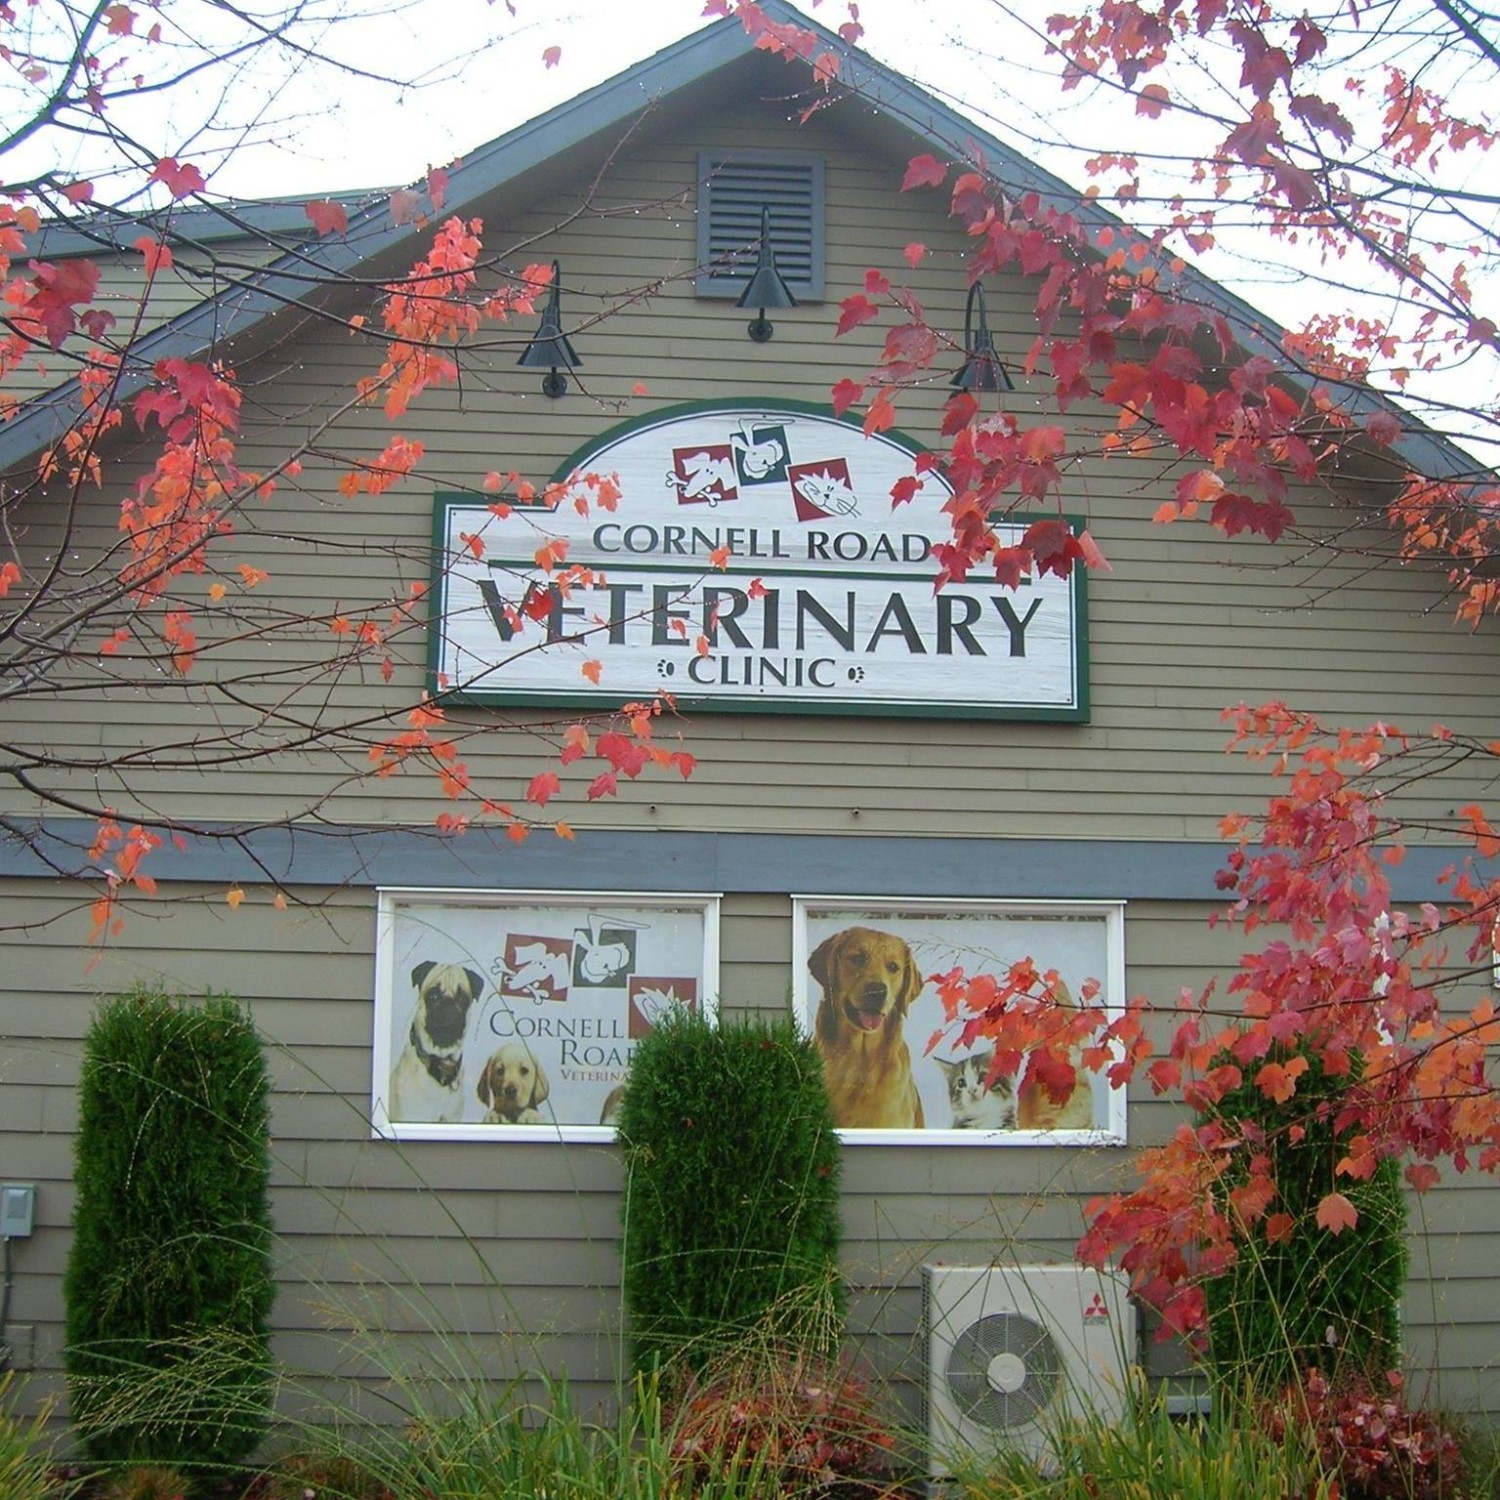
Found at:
(513, 1085)
(869, 982)
(1036, 1109)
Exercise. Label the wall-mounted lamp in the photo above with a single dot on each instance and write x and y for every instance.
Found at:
(550, 350)
(982, 370)
(767, 287)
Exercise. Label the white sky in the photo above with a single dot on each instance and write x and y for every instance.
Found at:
(497, 77)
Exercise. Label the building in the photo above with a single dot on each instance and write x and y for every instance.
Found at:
(864, 753)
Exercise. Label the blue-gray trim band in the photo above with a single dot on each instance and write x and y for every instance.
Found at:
(814, 864)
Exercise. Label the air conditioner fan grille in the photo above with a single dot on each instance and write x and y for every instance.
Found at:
(1004, 1370)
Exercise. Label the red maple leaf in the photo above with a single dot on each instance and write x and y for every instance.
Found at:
(923, 171)
(60, 286)
(180, 179)
(845, 394)
(1251, 140)
(1053, 546)
(855, 310)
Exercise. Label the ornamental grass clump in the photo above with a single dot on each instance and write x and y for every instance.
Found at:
(168, 1286)
(25, 1459)
(732, 1191)
(1150, 1455)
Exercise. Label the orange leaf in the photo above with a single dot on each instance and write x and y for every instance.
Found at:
(880, 414)
(158, 256)
(1279, 1228)
(326, 217)
(234, 897)
(1336, 1214)
(543, 788)
(562, 830)
(1152, 100)
(551, 57)
(592, 670)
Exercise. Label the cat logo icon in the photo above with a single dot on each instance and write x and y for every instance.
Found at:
(1097, 1310)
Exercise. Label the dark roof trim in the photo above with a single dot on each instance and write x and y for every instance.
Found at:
(613, 104)
(193, 224)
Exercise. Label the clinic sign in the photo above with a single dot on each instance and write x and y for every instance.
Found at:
(755, 559)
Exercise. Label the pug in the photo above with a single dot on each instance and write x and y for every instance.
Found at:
(425, 1081)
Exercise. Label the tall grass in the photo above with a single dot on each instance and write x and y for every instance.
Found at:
(25, 1454)
(1152, 1455)
(504, 1445)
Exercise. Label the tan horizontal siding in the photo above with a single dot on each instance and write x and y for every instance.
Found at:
(519, 1241)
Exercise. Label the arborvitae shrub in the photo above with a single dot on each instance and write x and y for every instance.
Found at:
(731, 1215)
(169, 1285)
(1315, 1300)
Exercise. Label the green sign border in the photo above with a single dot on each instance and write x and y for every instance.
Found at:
(445, 501)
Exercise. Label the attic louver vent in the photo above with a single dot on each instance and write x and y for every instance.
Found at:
(731, 193)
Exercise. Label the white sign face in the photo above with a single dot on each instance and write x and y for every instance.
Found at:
(865, 981)
(755, 559)
(512, 1015)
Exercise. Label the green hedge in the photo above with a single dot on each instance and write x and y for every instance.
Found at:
(1314, 1301)
(731, 1213)
(169, 1286)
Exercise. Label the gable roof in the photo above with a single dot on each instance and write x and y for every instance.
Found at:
(244, 312)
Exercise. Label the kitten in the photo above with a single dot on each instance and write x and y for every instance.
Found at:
(978, 1105)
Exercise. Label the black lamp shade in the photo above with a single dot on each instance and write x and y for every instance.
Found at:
(550, 348)
(767, 287)
(982, 369)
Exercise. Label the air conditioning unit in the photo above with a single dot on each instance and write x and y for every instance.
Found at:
(1012, 1351)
